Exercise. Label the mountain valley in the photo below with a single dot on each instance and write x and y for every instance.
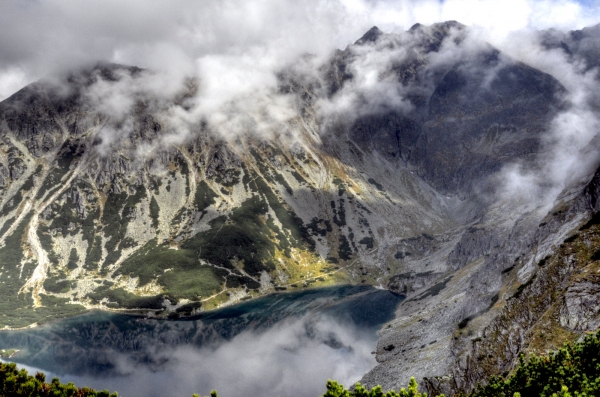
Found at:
(424, 163)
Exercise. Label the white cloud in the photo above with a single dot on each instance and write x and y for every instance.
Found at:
(294, 357)
(44, 37)
(11, 80)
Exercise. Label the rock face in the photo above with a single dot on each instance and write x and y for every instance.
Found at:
(557, 302)
(400, 188)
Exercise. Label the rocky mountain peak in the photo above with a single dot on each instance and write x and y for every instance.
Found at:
(372, 35)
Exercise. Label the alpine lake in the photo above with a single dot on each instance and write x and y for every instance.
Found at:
(282, 344)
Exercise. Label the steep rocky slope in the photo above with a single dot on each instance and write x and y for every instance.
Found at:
(390, 171)
(539, 266)
(201, 223)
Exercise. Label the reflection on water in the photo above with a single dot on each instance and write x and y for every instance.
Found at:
(278, 345)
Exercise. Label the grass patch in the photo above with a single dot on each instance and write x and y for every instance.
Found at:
(94, 255)
(279, 178)
(124, 299)
(10, 259)
(204, 196)
(56, 286)
(6, 226)
(299, 178)
(73, 259)
(186, 277)
(12, 203)
(340, 185)
(339, 216)
(196, 283)
(228, 178)
(244, 237)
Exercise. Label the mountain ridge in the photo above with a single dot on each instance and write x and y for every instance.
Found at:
(104, 205)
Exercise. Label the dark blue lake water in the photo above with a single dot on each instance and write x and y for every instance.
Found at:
(284, 344)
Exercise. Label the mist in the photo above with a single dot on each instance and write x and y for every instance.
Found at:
(282, 344)
(294, 357)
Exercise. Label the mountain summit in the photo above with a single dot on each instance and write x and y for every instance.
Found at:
(371, 36)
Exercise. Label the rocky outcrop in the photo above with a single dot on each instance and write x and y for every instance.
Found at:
(581, 308)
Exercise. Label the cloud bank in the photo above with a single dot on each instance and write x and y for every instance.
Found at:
(294, 357)
(230, 54)
(235, 44)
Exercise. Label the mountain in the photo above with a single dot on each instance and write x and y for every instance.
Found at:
(111, 199)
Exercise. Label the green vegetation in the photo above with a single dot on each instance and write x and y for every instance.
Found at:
(340, 185)
(522, 287)
(66, 217)
(121, 298)
(339, 216)
(594, 220)
(572, 238)
(14, 382)
(12, 203)
(317, 229)
(243, 238)
(179, 271)
(7, 353)
(6, 226)
(11, 256)
(279, 178)
(228, 178)
(299, 178)
(199, 282)
(92, 260)
(56, 285)
(46, 242)
(118, 209)
(204, 196)
(28, 184)
(247, 239)
(73, 259)
(52, 181)
(154, 212)
(334, 389)
(573, 370)
(288, 219)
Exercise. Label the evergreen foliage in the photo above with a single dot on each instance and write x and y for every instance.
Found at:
(334, 389)
(573, 370)
(15, 383)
